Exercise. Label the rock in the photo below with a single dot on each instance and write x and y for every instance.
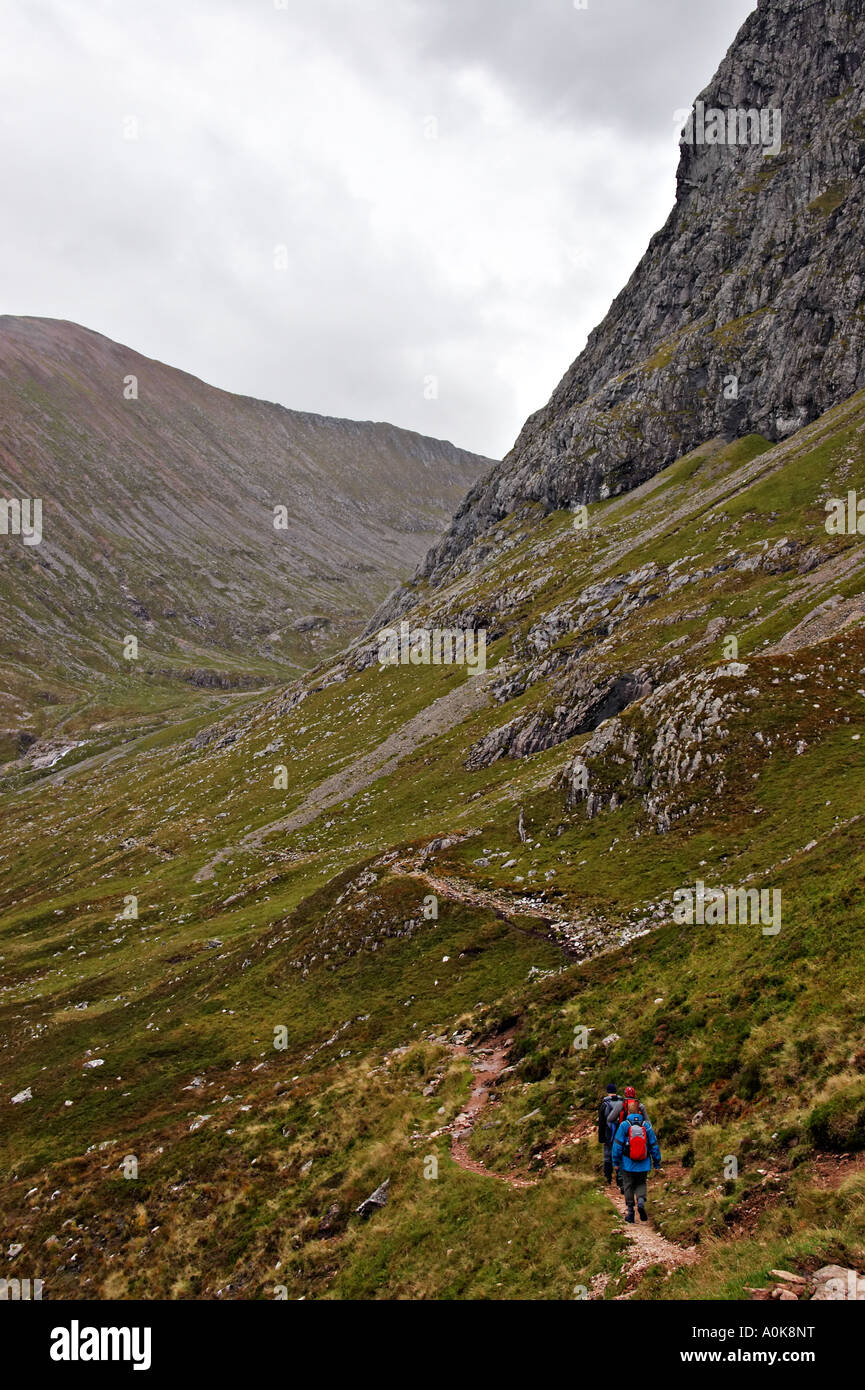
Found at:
(311, 623)
(331, 1222)
(788, 1296)
(779, 557)
(375, 1201)
(586, 701)
(786, 1276)
(22, 1096)
(608, 1042)
(829, 1272)
(835, 1284)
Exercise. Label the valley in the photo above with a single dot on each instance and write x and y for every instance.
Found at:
(348, 861)
(311, 918)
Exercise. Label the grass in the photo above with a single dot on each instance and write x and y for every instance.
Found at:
(314, 932)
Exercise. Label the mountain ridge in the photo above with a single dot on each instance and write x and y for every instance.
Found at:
(160, 497)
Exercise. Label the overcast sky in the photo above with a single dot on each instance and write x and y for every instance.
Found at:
(327, 203)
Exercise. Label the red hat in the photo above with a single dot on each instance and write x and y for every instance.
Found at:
(630, 1093)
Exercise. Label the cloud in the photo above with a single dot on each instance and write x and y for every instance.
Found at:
(330, 203)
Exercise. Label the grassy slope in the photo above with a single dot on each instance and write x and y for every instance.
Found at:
(313, 932)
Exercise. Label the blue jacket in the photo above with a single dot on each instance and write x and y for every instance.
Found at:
(635, 1165)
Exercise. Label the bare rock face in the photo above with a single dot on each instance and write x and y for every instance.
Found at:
(588, 704)
(745, 313)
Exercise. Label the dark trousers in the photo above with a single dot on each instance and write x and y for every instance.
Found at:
(633, 1186)
(608, 1160)
(608, 1163)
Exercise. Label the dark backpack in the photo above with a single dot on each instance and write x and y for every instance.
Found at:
(604, 1110)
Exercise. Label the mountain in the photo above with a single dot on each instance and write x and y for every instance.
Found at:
(158, 508)
(316, 998)
(745, 314)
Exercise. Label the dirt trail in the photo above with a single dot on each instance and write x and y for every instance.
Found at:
(456, 890)
(647, 1247)
(495, 1059)
(435, 719)
(578, 938)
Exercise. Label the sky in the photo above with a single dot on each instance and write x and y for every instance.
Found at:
(403, 210)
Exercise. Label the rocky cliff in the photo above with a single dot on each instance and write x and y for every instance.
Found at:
(746, 312)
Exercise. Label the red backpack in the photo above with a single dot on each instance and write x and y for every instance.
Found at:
(636, 1144)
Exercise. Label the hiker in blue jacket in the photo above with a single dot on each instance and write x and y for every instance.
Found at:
(635, 1151)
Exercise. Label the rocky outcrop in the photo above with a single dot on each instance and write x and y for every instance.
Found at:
(831, 1284)
(590, 703)
(745, 314)
(677, 734)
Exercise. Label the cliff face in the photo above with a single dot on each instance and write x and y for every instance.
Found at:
(746, 312)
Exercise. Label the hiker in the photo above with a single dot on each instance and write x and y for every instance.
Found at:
(635, 1151)
(620, 1109)
(612, 1101)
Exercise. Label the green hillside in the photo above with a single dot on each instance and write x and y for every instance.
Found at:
(308, 907)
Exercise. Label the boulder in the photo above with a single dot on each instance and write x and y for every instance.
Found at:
(375, 1201)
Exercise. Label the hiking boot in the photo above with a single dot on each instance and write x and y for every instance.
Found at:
(629, 1216)
(642, 1210)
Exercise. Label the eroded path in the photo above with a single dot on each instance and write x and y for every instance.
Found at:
(457, 890)
(647, 1247)
(580, 938)
(493, 1061)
